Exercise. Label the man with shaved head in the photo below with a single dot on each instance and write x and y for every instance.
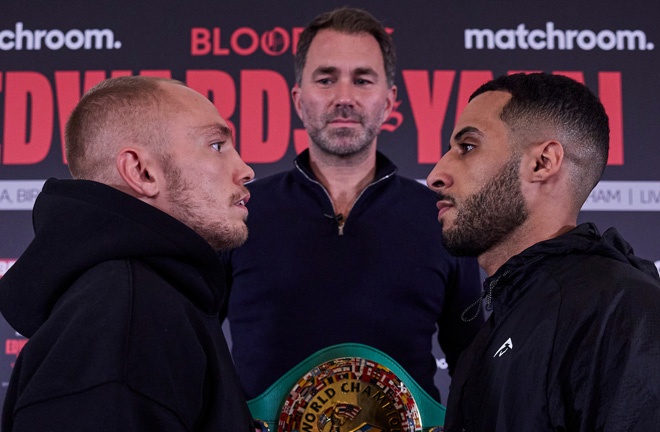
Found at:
(119, 292)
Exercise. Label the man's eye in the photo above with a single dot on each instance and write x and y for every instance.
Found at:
(466, 147)
(362, 81)
(324, 81)
(217, 146)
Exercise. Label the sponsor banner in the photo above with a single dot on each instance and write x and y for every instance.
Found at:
(19, 194)
(624, 196)
(20, 38)
(606, 196)
(551, 38)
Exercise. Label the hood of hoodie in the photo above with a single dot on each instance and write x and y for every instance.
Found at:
(585, 239)
(79, 224)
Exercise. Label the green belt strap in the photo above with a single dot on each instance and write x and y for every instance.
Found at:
(267, 406)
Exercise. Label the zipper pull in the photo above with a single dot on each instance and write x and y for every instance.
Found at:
(339, 218)
(340, 223)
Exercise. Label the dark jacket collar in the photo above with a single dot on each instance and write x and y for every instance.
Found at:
(585, 239)
(384, 167)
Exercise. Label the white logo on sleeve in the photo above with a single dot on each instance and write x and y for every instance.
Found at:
(506, 346)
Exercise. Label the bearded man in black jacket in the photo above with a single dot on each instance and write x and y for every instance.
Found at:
(120, 291)
(572, 341)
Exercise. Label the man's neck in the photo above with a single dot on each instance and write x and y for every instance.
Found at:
(343, 177)
(524, 237)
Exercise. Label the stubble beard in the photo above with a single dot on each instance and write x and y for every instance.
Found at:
(488, 216)
(344, 141)
(221, 235)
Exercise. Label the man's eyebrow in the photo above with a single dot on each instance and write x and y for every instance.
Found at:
(332, 70)
(324, 70)
(366, 70)
(217, 129)
(467, 130)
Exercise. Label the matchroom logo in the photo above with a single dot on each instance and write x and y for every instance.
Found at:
(19, 38)
(552, 38)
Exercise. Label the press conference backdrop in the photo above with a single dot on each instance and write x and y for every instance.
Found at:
(240, 54)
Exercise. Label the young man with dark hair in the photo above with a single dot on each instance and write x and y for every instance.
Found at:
(572, 341)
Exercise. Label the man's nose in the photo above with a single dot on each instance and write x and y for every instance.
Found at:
(438, 179)
(344, 94)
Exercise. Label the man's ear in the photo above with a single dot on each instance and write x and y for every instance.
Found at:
(136, 169)
(391, 101)
(295, 96)
(547, 158)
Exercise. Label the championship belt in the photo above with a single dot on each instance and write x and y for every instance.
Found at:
(347, 388)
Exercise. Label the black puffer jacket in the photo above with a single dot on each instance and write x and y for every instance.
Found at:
(572, 344)
(120, 302)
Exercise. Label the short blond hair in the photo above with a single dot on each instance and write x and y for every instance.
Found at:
(116, 111)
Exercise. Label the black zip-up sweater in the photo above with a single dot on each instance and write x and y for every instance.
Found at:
(120, 302)
(307, 279)
(572, 344)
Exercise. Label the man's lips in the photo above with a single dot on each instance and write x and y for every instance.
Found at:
(344, 120)
(242, 202)
(343, 123)
(443, 207)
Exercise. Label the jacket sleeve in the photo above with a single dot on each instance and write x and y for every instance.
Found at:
(108, 407)
(628, 379)
(613, 382)
(463, 290)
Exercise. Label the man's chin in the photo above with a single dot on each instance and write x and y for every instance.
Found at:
(230, 239)
(239, 237)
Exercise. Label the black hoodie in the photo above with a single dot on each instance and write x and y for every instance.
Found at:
(572, 343)
(120, 302)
